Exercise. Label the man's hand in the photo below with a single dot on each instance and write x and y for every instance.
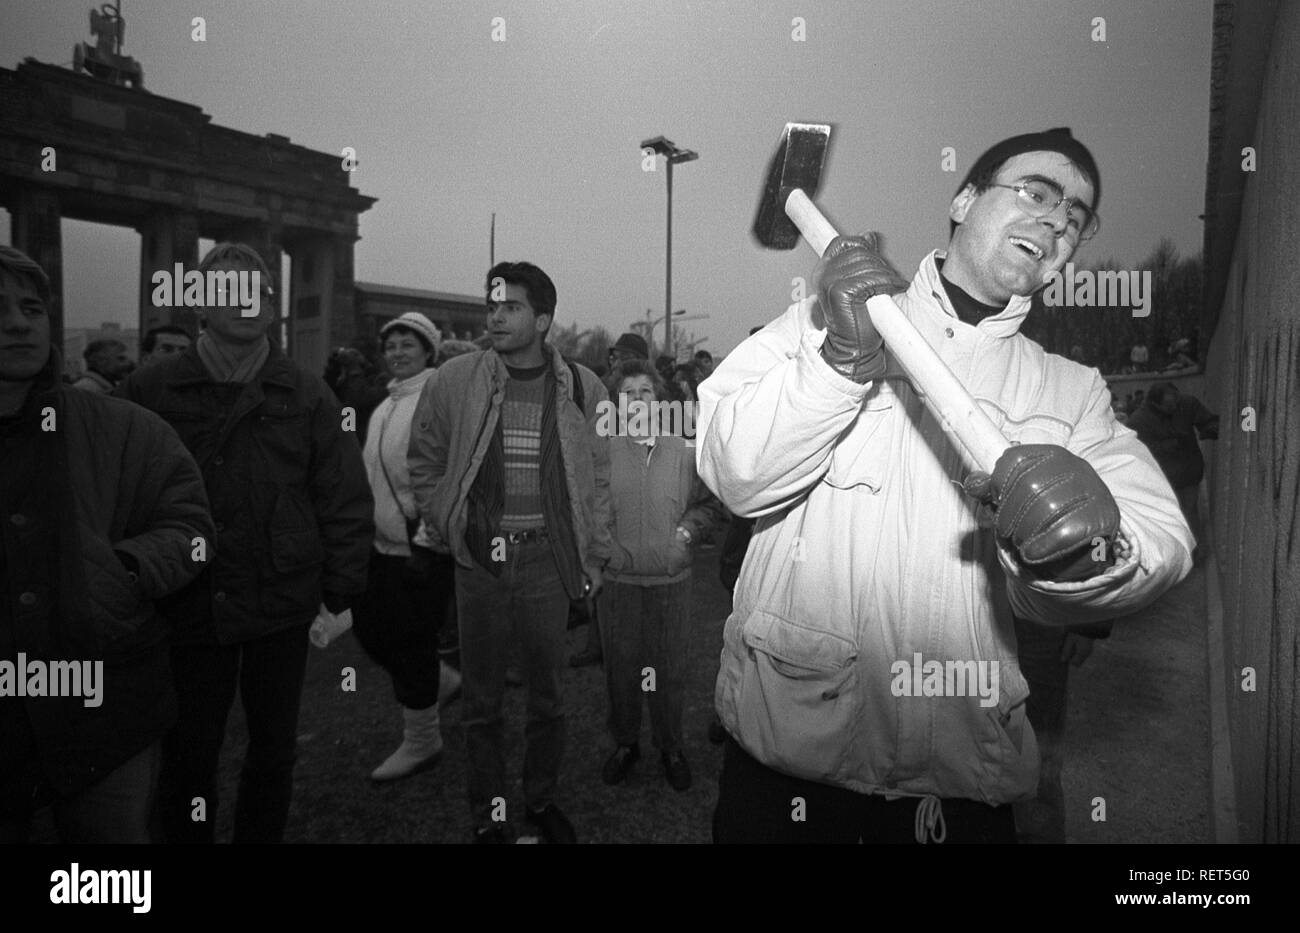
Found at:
(1052, 507)
(1076, 648)
(594, 580)
(851, 272)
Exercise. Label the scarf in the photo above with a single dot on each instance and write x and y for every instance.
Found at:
(224, 366)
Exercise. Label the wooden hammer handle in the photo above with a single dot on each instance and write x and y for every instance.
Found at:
(959, 413)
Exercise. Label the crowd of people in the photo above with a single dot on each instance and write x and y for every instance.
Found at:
(1116, 343)
(196, 523)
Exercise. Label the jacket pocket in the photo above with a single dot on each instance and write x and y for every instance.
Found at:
(1008, 742)
(797, 696)
(863, 455)
(1032, 428)
(116, 606)
(282, 433)
(295, 536)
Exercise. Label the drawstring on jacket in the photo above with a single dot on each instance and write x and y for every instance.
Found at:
(930, 826)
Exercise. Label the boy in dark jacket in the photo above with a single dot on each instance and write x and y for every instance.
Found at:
(104, 513)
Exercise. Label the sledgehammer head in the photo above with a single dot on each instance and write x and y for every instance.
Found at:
(797, 164)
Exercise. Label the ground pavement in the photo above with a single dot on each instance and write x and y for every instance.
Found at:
(1137, 737)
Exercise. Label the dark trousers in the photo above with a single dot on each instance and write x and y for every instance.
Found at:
(115, 810)
(757, 804)
(526, 606)
(269, 673)
(1042, 819)
(398, 625)
(646, 627)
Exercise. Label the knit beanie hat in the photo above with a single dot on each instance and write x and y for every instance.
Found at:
(1058, 139)
(417, 322)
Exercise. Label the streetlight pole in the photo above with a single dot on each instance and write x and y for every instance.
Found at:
(668, 269)
(650, 324)
(672, 154)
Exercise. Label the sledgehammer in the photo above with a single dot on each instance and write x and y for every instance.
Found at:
(787, 211)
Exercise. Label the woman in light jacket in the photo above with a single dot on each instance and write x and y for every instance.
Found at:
(659, 510)
(398, 618)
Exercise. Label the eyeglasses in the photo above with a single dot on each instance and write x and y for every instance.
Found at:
(1038, 198)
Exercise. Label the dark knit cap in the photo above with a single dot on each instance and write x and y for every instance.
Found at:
(634, 344)
(1057, 139)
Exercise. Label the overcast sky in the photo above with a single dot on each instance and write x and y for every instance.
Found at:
(544, 127)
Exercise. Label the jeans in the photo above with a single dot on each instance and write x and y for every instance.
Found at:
(528, 606)
(757, 804)
(269, 672)
(398, 626)
(116, 810)
(645, 627)
(1042, 819)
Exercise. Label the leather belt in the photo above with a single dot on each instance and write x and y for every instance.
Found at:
(530, 535)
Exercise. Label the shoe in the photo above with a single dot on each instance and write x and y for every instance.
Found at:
(717, 731)
(585, 658)
(493, 834)
(677, 770)
(555, 826)
(620, 763)
(420, 748)
(448, 683)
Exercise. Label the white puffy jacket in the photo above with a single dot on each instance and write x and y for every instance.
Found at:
(388, 437)
(867, 554)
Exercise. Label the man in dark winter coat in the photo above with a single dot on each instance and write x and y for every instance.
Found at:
(294, 525)
(104, 513)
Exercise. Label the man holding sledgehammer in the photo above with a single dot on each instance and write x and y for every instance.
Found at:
(869, 676)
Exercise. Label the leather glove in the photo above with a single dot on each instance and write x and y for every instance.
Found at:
(850, 272)
(1051, 506)
(417, 572)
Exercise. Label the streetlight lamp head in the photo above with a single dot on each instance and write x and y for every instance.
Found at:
(665, 147)
(659, 144)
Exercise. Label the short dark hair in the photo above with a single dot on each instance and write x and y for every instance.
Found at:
(704, 355)
(239, 254)
(18, 263)
(614, 378)
(151, 336)
(96, 347)
(536, 283)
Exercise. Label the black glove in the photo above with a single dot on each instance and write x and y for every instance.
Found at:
(851, 272)
(1051, 506)
(417, 572)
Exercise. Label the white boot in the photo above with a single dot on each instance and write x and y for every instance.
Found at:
(448, 683)
(421, 745)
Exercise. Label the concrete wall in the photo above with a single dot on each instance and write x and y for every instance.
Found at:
(1254, 477)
